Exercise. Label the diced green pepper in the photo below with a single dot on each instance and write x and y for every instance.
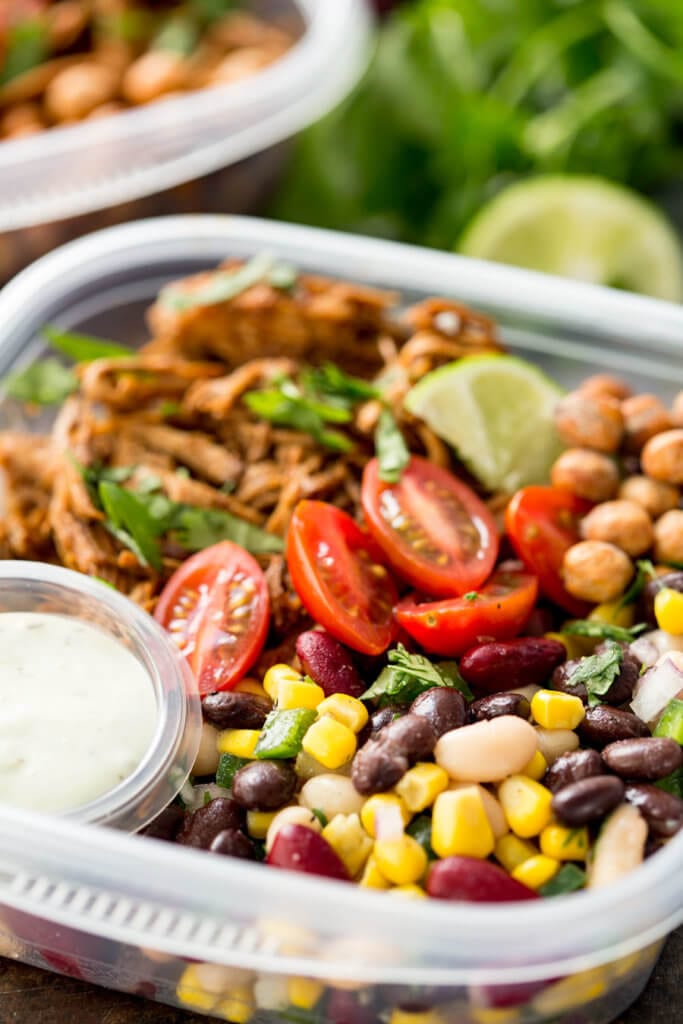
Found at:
(420, 828)
(671, 723)
(672, 783)
(228, 765)
(283, 732)
(568, 879)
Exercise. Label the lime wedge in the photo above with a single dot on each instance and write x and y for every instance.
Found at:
(497, 413)
(584, 228)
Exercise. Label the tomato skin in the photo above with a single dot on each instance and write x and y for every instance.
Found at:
(542, 523)
(203, 607)
(456, 545)
(452, 626)
(337, 574)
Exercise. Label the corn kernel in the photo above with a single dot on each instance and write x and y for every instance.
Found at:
(669, 611)
(575, 646)
(304, 993)
(349, 840)
(536, 871)
(297, 693)
(277, 674)
(347, 710)
(536, 768)
(190, 992)
(399, 1016)
(388, 806)
(249, 685)
(330, 742)
(564, 843)
(614, 613)
(571, 993)
(526, 804)
(460, 825)
(401, 859)
(239, 1006)
(421, 785)
(511, 851)
(372, 877)
(258, 823)
(239, 742)
(410, 891)
(495, 1014)
(554, 710)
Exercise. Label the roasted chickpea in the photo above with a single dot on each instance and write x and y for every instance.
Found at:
(606, 384)
(652, 495)
(662, 457)
(644, 416)
(589, 421)
(153, 74)
(240, 64)
(77, 90)
(677, 410)
(585, 473)
(21, 119)
(669, 537)
(594, 570)
(622, 523)
(106, 110)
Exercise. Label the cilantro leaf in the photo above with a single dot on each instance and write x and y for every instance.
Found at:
(408, 675)
(177, 35)
(27, 45)
(672, 783)
(333, 383)
(392, 451)
(603, 630)
(568, 879)
(83, 348)
(598, 671)
(645, 573)
(197, 528)
(286, 406)
(130, 522)
(224, 285)
(43, 383)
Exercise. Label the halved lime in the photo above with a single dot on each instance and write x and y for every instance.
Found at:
(497, 413)
(584, 228)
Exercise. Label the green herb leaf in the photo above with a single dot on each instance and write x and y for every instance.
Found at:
(83, 348)
(228, 765)
(672, 783)
(420, 828)
(198, 528)
(603, 630)
(27, 46)
(450, 671)
(598, 671)
(168, 409)
(130, 522)
(408, 675)
(177, 35)
(392, 451)
(208, 11)
(287, 407)
(333, 383)
(568, 879)
(223, 285)
(283, 732)
(321, 816)
(283, 276)
(43, 383)
(471, 595)
(645, 573)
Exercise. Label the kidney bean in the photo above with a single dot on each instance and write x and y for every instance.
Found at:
(475, 881)
(203, 825)
(646, 758)
(264, 785)
(377, 767)
(232, 843)
(619, 692)
(646, 606)
(497, 665)
(572, 767)
(230, 710)
(343, 1007)
(166, 825)
(497, 704)
(540, 622)
(662, 811)
(412, 735)
(328, 663)
(587, 800)
(297, 848)
(487, 751)
(382, 717)
(443, 707)
(603, 724)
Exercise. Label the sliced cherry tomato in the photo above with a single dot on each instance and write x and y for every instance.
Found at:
(434, 531)
(498, 611)
(217, 609)
(542, 523)
(339, 577)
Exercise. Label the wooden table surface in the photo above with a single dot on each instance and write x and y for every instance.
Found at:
(31, 996)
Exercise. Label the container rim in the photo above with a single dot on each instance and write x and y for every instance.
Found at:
(639, 908)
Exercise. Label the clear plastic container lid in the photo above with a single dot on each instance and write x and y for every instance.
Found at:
(96, 164)
(217, 909)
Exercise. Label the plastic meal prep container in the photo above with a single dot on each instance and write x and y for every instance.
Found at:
(133, 913)
(220, 149)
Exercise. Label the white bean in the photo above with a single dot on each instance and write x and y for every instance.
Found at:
(620, 847)
(331, 794)
(206, 761)
(554, 742)
(487, 751)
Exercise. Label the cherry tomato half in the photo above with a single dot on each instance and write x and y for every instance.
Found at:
(434, 531)
(336, 572)
(216, 607)
(542, 523)
(498, 611)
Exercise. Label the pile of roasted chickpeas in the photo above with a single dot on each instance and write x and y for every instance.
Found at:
(625, 455)
(92, 58)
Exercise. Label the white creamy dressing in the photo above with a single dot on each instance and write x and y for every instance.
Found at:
(77, 711)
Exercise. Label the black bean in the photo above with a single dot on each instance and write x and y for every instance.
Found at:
(264, 785)
(383, 716)
(603, 724)
(498, 704)
(166, 825)
(412, 735)
(622, 686)
(572, 767)
(646, 758)
(561, 680)
(587, 800)
(646, 606)
(230, 710)
(233, 843)
(443, 707)
(377, 767)
(662, 811)
(203, 825)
